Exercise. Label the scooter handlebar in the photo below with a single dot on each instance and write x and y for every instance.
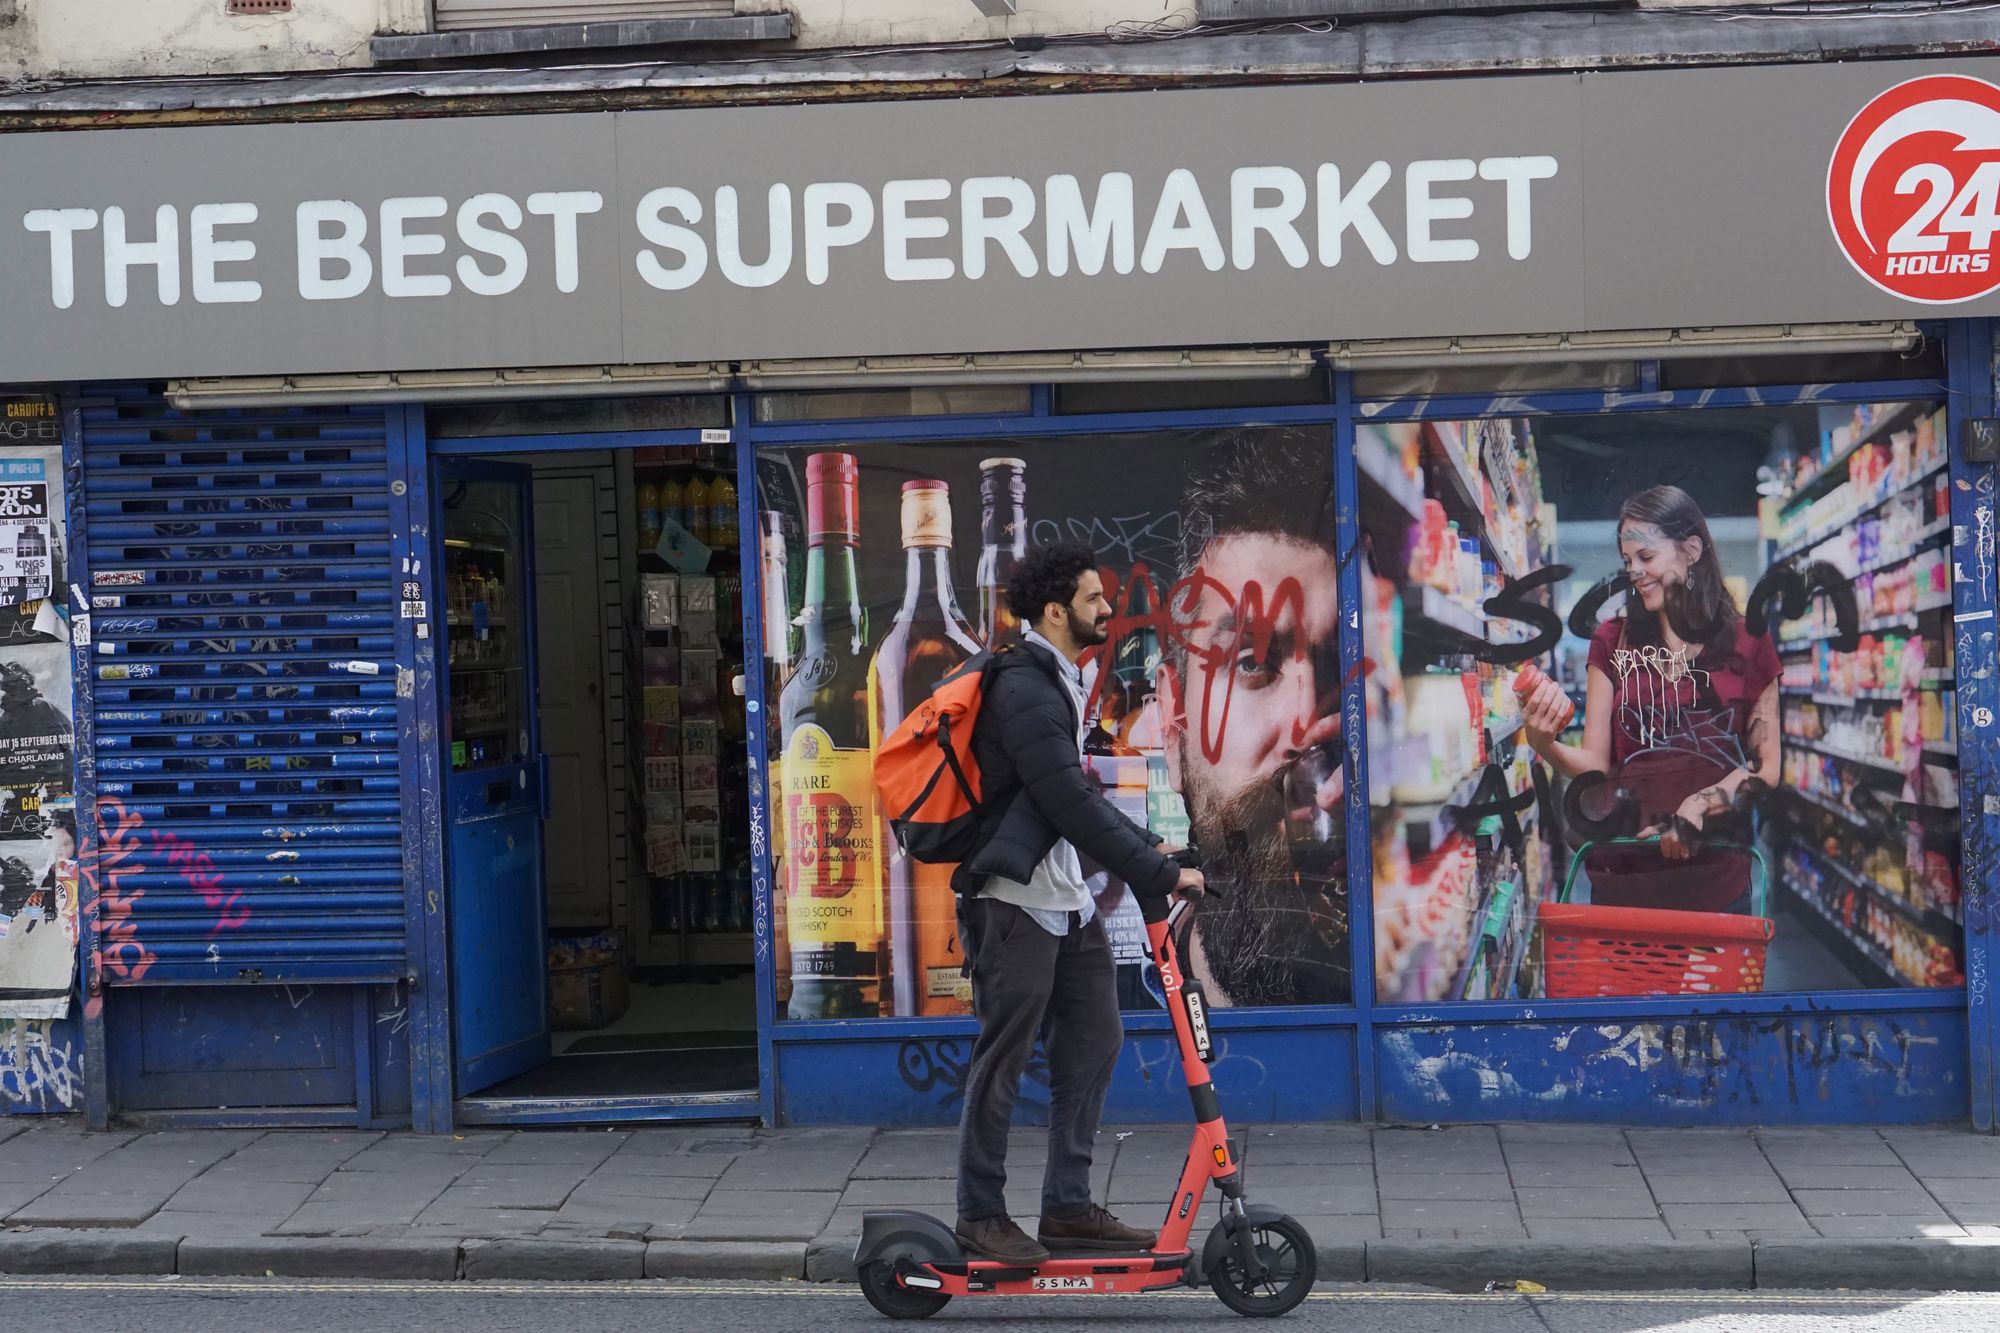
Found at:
(1189, 858)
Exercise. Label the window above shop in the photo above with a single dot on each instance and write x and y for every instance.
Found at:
(1189, 395)
(494, 28)
(1237, 11)
(1925, 361)
(577, 416)
(1527, 377)
(854, 404)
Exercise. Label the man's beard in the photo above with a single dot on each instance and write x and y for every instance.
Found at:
(1277, 932)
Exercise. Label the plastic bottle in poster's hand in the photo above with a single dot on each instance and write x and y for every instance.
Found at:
(1531, 678)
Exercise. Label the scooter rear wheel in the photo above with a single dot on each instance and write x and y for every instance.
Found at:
(1290, 1261)
(892, 1298)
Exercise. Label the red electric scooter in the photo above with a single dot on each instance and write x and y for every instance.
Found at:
(1258, 1260)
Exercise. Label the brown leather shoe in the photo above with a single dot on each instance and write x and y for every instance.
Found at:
(999, 1238)
(1094, 1229)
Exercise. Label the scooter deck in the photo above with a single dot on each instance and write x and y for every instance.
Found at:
(1064, 1262)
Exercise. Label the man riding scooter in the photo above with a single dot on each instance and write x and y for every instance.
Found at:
(1037, 950)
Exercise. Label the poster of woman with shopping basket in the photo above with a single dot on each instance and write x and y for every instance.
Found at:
(1660, 703)
(1682, 707)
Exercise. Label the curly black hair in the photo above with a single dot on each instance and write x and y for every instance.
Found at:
(1049, 574)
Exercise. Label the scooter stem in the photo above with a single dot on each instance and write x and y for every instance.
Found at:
(1209, 1155)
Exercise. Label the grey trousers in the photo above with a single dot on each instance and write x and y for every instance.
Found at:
(1021, 975)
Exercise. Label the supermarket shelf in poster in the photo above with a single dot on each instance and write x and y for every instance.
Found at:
(1873, 956)
(1866, 948)
(1439, 817)
(1384, 487)
(1793, 643)
(1821, 801)
(1854, 699)
(1442, 621)
(1899, 418)
(1934, 920)
(1818, 535)
(1874, 761)
(1461, 494)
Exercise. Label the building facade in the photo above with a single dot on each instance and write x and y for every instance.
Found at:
(475, 512)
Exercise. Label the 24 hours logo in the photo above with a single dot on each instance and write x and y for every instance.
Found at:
(1913, 190)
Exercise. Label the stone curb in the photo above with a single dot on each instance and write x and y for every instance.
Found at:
(726, 1259)
(318, 1256)
(830, 1257)
(1450, 1265)
(1869, 1265)
(88, 1252)
(530, 1260)
(1468, 1265)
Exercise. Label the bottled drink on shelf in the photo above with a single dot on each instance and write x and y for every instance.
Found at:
(712, 919)
(722, 522)
(673, 505)
(649, 516)
(1003, 544)
(777, 593)
(695, 502)
(830, 827)
(929, 638)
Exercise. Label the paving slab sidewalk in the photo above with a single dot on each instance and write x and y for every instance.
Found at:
(1457, 1207)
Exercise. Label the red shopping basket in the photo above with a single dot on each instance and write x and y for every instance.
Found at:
(1592, 951)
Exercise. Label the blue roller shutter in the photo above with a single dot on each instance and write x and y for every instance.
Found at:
(245, 772)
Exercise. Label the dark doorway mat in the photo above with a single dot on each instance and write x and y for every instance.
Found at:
(636, 1074)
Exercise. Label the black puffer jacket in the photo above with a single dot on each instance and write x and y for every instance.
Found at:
(1036, 790)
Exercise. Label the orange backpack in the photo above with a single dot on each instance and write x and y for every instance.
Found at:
(925, 771)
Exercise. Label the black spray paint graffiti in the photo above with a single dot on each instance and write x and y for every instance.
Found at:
(1701, 1065)
(1593, 813)
(940, 1067)
(1127, 539)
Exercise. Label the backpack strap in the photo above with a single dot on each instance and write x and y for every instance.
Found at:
(950, 762)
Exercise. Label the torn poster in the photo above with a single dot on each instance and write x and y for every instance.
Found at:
(27, 531)
(36, 735)
(33, 605)
(38, 905)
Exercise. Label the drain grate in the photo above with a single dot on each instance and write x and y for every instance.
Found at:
(259, 6)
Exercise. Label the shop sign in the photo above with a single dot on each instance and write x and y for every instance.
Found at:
(1913, 191)
(1213, 216)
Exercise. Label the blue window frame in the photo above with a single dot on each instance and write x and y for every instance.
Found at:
(1381, 1040)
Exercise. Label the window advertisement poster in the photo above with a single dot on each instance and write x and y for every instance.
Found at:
(1213, 705)
(1661, 704)
(38, 868)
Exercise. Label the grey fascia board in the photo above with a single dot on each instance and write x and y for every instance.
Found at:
(489, 42)
(1241, 11)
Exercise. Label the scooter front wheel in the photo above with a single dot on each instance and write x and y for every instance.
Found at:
(1290, 1262)
(892, 1298)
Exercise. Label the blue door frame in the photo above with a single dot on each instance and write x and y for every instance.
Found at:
(1818, 1058)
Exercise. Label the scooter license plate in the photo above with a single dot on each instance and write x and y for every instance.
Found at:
(1065, 1284)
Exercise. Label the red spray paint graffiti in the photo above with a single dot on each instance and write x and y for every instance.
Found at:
(198, 871)
(1248, 625)
(117, 953)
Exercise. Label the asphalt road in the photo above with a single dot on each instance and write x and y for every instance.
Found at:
(233, 1305)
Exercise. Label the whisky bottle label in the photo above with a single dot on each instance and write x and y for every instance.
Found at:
(833, 870)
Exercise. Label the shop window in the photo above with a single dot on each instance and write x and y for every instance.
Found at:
(452, 14)
(1215, 698)
(1189, 395)
(1602, 761)
(1923, 362)
(925, 401)
(1538, 377)
(577, 416)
